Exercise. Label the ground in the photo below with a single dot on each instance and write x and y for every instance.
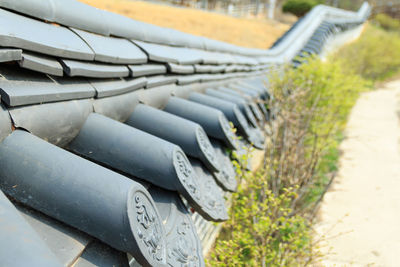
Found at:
(360, 214)
(247, 32)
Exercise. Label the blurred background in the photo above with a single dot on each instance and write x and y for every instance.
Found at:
(269, 8)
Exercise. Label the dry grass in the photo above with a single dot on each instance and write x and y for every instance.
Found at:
(257, 32)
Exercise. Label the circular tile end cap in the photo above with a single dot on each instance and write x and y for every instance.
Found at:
(187, 179)
(189, 186)
(226, 180)
(185, 250)
(147, 229)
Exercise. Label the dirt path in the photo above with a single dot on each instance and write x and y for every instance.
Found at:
(360, 215)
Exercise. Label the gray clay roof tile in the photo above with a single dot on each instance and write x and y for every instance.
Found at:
(112, 49)
(22, 87)
(41, 63)
(94, 70)
(30, 34)
(117, 86)
(9, 54)
(147, 69)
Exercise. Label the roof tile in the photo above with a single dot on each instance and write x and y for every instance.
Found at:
(147, 69)
(7, 54)
(117, 86)
(16, 31)
(112, 49)
(41, 63)
(94, 70)
(21, 246)
(22, 87)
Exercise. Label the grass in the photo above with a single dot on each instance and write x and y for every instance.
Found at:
(255, 33)
(375, 56)
(386, 22)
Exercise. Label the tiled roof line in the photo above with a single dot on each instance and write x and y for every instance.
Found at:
(85, 17)
(75, 112)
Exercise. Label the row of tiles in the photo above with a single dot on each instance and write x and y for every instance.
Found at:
(50, 175)
(74, 14)
(22, 87)
(321, 35)
(70, 43)
(18, 88)
(59, 67)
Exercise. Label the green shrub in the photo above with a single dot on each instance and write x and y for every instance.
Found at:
(299, 7)
(375, 56)
(314, 115)
(268, 223)
(387, 22)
